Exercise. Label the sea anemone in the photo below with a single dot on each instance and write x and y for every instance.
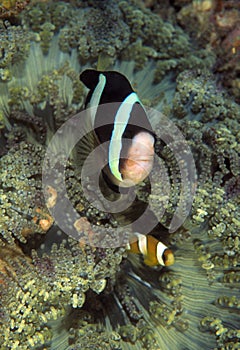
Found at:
(61, 293)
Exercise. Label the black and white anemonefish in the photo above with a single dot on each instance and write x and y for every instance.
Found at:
(154, 252)
(125, 119)
(128, 162)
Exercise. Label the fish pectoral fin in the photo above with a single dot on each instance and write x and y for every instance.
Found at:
(94, 164)
(83, 149)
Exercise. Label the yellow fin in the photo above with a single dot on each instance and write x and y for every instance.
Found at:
(150, 261)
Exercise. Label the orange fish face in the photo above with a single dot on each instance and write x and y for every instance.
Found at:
(139, 162)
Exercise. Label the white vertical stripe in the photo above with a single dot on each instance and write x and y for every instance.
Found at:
(128, 247)
(142, 243)
(96, 96)
(160, 250)
(120, 123)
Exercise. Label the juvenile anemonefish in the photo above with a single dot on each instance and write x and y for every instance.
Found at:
(123, 123)
(154, 252)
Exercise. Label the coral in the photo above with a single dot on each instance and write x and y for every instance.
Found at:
(214, 24)
(100, 338)
(10, 9)
(21, 303)
(107, 32)
(15, 44)
(228, 63)
(85, 209)
(113, 29)
(25, 128)
(195, 18)
(151, 37)
(55, 88)
(226, 338)
(209, 121)
(22, 205)
(56, 290)
(46, 34)
(169, 46)
(38, 13)
(214, 138)
(76, 270)
(198, 95)
(50, 90)
(42, 288)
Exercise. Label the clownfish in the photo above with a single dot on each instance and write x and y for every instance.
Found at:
(154, 251)
(123, 124)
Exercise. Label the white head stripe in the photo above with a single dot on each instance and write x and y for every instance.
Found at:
(160, 250)
(120, 123)
(142, 243)
(96, 96)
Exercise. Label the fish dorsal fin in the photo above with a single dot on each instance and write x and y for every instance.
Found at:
(121, 120)
(90, 78)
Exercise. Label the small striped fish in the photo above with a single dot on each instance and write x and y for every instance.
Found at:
(154, 252)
